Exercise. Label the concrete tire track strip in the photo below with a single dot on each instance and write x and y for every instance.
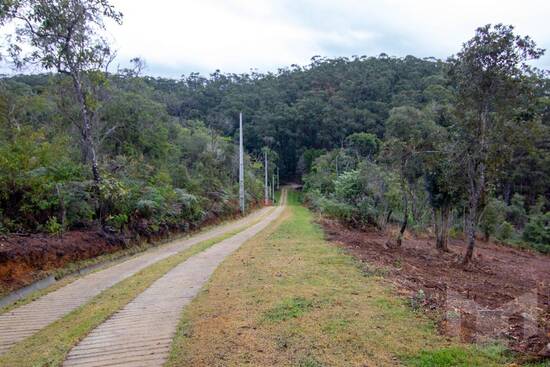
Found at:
(140, 334)
(24, 321)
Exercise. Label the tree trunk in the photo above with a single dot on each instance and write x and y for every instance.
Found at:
(388, 217)
(88, 146)
(476, 178)
(441, 220)
(437, 226)
(405, 220)
(471, 232)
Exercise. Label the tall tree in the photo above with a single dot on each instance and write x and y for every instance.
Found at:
(65, 36)
(408, 132)
(492, 81)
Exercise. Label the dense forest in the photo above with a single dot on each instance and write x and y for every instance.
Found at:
(462, 145)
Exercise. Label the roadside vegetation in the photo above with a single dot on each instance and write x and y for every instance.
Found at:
(289, 298)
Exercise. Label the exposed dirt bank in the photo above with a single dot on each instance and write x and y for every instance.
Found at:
(30, 257)
(504, 294)
(25, 258)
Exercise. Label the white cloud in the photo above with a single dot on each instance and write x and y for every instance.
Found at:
(176, 37)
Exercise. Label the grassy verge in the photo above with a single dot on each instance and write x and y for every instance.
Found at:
(50, 346)
(288, 298)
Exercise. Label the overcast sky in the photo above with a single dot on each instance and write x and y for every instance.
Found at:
(177, 37)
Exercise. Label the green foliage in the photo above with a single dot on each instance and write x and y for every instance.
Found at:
(362, 196)
(364, 144)
(505, 231)
(516, 212)
(492, 217)
(117, 221)
(362, 133)
(30, 167)
(177, 180)
(537, 231)
(53, 227)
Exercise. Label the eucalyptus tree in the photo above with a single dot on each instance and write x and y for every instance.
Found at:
(408, 135)
(493, 85)
(66, 36)
(364, 145)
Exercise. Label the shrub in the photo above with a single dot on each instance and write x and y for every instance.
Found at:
(146, 208)
(492, 216)
(338, 210)
(505, 231)
(117, 221)
(78, 203)
(190, 209)
(516, 212)
(53, 227)
(537, 230)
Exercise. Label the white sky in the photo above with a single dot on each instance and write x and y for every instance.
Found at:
(181, 36)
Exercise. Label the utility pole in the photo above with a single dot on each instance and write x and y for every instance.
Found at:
(241, 163)
(266, 188)
(273, 185)
(277, 177)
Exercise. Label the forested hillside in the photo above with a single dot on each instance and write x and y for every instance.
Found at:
(373, 138)
(158, 173)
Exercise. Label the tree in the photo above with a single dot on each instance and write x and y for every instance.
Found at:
(364, 144)
(444, 186)
(65, 36)
(408, 131)
(492, 80)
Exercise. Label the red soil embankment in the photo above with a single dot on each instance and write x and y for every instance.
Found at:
(25, 258)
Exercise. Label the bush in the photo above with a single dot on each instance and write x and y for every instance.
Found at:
(505, 231)
(190, 209)
(537, 230)
(53, 227)
(492, 216)
(338, 210)
(516, 212)
(117, 221)
(78, 203)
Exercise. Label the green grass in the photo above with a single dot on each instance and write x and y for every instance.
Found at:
(456, 357)
(50, 346)
(287, 309)
(470, 356)
(289, 298)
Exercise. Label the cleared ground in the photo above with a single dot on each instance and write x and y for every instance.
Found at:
(504, 294)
